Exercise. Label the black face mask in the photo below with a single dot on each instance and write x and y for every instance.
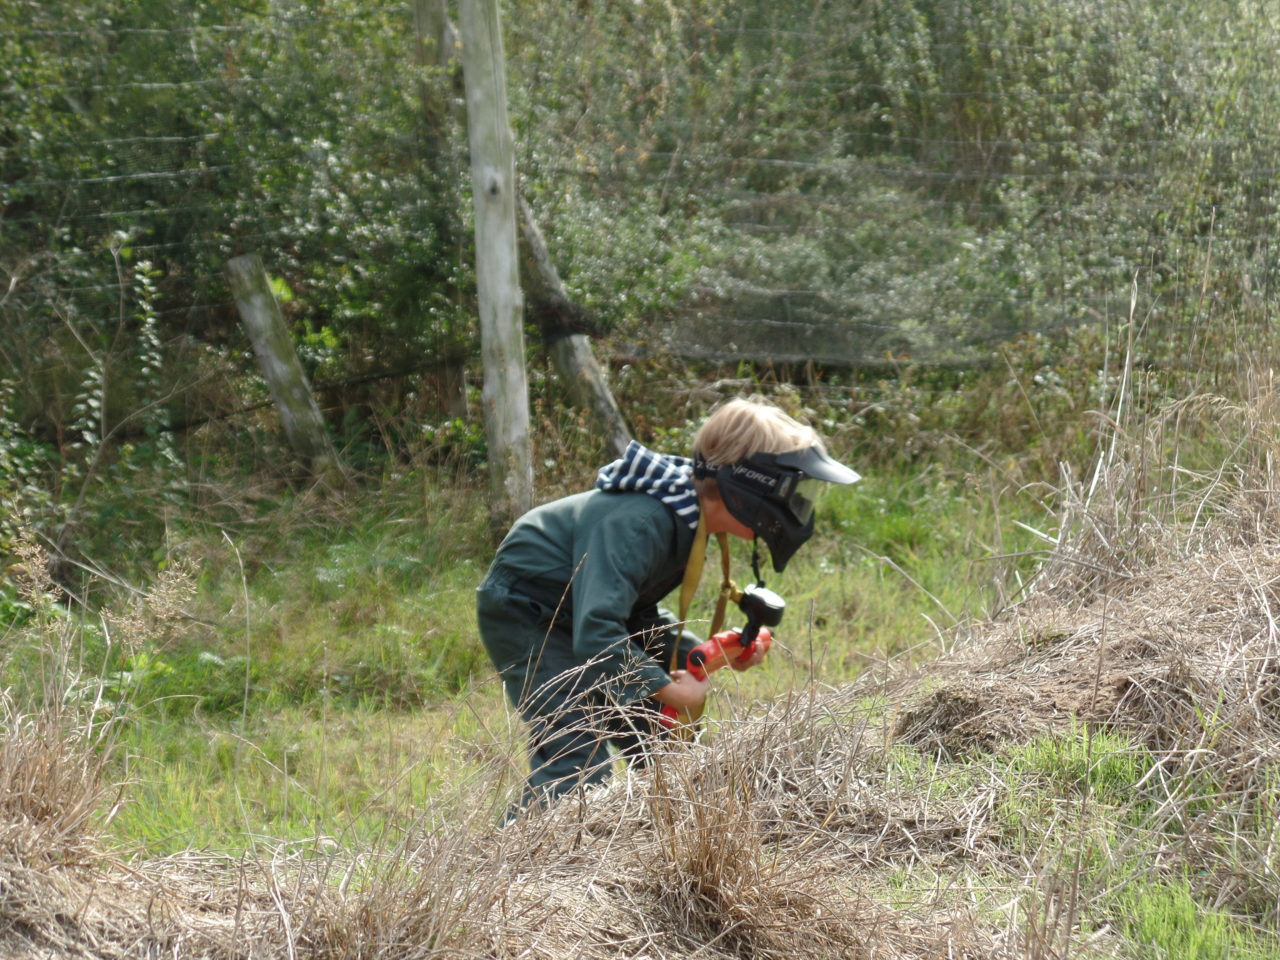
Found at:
(773, 494)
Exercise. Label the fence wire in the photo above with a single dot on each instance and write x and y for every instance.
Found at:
(759, 181)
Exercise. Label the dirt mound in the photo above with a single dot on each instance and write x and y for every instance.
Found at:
(766, 843)
(62, 896)
(1184, 656)
(964, 717)
(106, 909)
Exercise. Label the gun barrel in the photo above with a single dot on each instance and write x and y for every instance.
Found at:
(710, 655)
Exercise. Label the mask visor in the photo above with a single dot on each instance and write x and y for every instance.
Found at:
(800, 503)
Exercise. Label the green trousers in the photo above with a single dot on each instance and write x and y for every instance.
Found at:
(570, 725)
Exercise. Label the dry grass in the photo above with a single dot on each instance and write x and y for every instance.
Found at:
(781, 836)
(758, 845)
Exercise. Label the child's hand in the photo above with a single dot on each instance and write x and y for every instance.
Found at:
(756, 658)
(684, 692)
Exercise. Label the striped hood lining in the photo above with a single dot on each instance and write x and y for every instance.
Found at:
(661, 475)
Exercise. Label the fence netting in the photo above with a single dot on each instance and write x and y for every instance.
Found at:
(819, 183)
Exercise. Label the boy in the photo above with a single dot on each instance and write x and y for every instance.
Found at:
(569, 610)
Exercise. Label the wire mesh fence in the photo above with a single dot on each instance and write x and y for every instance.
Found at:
(819, 183)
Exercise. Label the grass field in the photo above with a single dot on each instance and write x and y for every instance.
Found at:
(1006, 717)
(322, 693)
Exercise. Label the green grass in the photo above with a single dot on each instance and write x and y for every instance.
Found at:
(324, 680)
(1077, 815)
(310, 776)
(1093, 810)
(1099, 765)
(352, 687)
(368, 606)
(1166, 921)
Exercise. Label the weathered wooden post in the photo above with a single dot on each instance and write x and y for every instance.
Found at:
(278, 361)
(571, 351)
(493, 179)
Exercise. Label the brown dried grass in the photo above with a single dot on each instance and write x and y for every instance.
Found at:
(759, 844)
(1157, 613)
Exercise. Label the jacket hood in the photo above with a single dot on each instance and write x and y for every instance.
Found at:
(666, 477)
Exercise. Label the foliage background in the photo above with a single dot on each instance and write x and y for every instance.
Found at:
(932, 220)
(833, 184)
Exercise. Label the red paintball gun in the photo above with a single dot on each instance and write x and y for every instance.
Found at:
(763, 609)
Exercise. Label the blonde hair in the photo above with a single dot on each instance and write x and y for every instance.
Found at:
(740, 427)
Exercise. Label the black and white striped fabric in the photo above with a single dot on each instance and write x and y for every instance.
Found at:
(669, 478)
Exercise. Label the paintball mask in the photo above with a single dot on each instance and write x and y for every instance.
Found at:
(773, 494)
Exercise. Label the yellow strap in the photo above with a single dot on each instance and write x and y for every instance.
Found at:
(689, 586)
(687, 720)
(728, 589)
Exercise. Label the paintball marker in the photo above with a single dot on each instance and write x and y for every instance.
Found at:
(763, 609)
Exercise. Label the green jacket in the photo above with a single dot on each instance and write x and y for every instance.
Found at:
(596, 564)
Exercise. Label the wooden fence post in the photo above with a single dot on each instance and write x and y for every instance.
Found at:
(571, 352)
(278, 360)
(493, 180)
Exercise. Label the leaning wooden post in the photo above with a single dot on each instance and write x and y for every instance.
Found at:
(278, 361)
(493, 183)
(571, 352)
